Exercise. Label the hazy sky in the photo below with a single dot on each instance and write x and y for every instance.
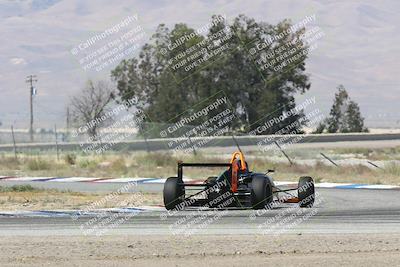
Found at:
(360, 48)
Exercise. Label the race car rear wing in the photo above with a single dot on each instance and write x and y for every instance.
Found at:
(181, 165)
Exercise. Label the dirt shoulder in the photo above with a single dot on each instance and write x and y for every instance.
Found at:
(283, 250)
(53, 200)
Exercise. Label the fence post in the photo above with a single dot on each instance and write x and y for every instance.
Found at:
(15, 147)
(331, 161)
(284, 153)
(373, 164)
(147, 144)
(55, 133)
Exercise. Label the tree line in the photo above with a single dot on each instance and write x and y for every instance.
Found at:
(164, 92)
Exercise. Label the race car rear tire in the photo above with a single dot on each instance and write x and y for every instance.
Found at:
(306, 192)
(261, 192)
(174, 193)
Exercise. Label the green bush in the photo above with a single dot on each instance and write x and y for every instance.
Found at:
(7, 162)
(87, 164)
(18, 188)
(38, 164)
(70, 159)
(157, 159)
(118, 166)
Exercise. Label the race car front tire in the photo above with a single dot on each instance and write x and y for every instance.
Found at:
(306, 192)
(173, 193)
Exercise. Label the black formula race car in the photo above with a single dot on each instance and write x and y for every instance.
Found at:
(236, 187)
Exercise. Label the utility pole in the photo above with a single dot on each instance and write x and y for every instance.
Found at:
(30, 80)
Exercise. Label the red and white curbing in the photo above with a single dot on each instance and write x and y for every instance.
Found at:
(143, 180)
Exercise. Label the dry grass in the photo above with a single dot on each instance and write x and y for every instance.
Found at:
(369, 153)
(329, 173)
(159, 164)
(37, 199)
